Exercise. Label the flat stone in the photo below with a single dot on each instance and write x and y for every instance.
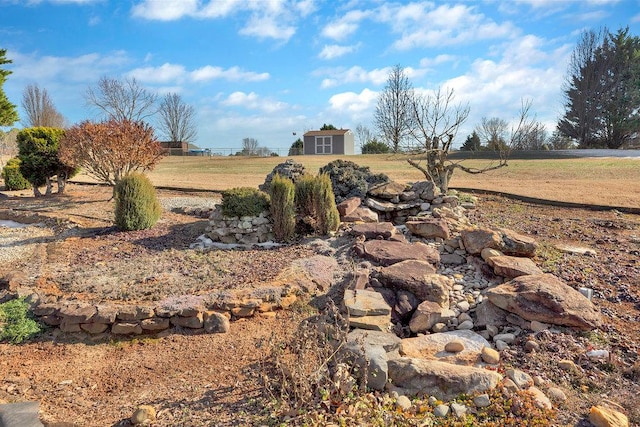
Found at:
(433, 347)
(488, 253)
(22, 414)
(134, 312)
(387, 253)
(155, 324)
(76, 313)
(94, 328)
(441, 410)
(574, 249)
(361, 214)
(194, 322)
(105, 314)
(510, 266)
(545, 298)
(126, 328)
(429, 228)
(365, 303)
(443, 380)
(482, 401)
(359, 337)
(519, 378)
(372, 231)
(374, 323)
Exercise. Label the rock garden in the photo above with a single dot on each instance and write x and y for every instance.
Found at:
(432, 309)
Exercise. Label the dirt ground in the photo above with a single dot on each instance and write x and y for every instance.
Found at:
(197, 379)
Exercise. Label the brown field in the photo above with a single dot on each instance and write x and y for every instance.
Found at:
(603, 181)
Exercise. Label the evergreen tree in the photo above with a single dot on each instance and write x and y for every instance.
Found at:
(472, 143)
(8, 112)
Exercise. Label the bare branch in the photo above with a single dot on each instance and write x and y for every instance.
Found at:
(122, 99)
(40, 109)
(177, 119)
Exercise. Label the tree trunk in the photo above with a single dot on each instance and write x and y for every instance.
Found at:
(36, 191)
(62, 184)
(49, 186)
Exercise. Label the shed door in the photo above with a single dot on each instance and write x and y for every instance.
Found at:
(324, 145)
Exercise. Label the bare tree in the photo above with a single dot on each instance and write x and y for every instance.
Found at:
(177, 119)
(363, 134)
(122, 99)
(393, 112)
(249, 146)
(436, 120)
(40, 110)
(493, 133)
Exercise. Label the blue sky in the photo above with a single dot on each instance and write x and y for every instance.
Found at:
(267, 68)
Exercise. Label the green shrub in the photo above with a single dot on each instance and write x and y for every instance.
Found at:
(325, 205)
(283, 212)
(244, 201)
(316, 205)
(137, 206)
(16, 322)
(13, 179)
(304, 195)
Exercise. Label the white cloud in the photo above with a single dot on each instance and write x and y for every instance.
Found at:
(209, 72)
(353, 103)
(346, 25)
(272, 19)
(447, 25)
(335, 51)
(162, 74)
(165, 10)
(84, 68)
(268, 27)
(252, 101)
(355, 74)
(438, 60)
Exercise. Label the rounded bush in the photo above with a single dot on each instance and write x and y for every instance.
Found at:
(13, 179)
(244, 201)
(137, 206)
(283, 211)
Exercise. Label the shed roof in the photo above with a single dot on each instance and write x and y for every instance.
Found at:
(326, 132)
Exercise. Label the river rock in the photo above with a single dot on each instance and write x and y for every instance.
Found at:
(477, 239)
(545, 298)
(443, 380)
(361, 214)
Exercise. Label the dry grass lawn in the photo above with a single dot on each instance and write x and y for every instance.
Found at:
(606, 181)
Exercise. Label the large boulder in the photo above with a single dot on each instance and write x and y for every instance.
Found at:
(507, 241)
(547, 299)
(387, 253)
(443, 380)
(419, 278)
(433, 347)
